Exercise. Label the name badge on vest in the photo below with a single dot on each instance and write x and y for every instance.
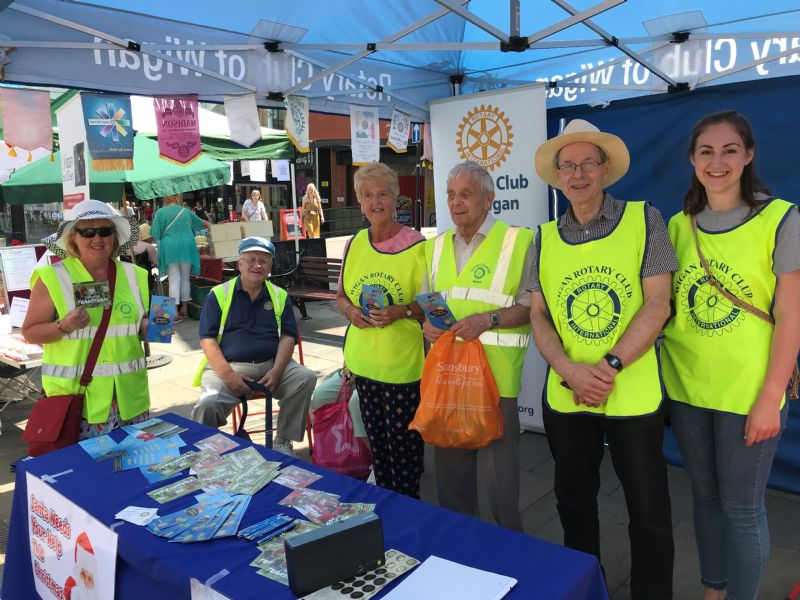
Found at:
(92, 294)
(267, 305)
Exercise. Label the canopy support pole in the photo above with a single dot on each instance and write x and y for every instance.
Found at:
(513, 19)
(578, 17)
(473, 18)
(400, 34)
(614, 41)
(294, 208)
(129, 45)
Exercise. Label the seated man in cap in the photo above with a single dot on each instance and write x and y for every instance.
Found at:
(260, 332)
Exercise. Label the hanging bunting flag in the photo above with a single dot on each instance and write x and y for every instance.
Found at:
(297, 122)
(364, 134)
(178, 127)
(280, 170)
(74, 163)
(397, 139)
(108, 131)
(427, 146)
(27, 123)
(243, 122)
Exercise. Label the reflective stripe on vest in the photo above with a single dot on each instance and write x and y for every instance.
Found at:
(504, 248)
(508, 340)
(715, 355)
(66, 283)
(104, 370)
(121, 367)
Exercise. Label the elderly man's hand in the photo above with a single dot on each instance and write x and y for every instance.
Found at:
(236, 383)
(272, 378)
(431, 333)
(471, 327)
(589, 384)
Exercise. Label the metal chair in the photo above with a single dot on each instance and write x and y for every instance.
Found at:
(240, 413)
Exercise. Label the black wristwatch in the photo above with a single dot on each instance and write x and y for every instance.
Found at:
(614, 361)
(494, 317)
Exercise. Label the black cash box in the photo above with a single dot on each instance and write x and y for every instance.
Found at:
(321, 557)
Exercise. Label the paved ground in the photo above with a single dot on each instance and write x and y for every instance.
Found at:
(171, 391)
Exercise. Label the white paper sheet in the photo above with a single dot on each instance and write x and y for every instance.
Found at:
(441, 578)
(18, 310)
(18, 266)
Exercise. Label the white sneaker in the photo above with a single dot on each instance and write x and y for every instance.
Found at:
(284, 447)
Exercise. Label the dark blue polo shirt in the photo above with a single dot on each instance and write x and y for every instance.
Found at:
(251, 333)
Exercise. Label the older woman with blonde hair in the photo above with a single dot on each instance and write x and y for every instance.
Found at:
(383, 345)
(118, 392)
(312, 211)
(174, 227)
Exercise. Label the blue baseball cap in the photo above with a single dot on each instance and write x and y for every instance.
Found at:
(256, 244)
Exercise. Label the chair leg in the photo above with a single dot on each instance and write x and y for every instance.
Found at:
(301, 304)
(309, 434)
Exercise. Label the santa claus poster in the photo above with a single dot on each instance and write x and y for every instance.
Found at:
(74, 556)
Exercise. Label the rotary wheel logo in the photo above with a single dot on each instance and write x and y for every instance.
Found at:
(485, 136)
(592, 310)
(710, 312)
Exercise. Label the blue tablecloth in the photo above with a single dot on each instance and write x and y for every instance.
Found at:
(150, 567)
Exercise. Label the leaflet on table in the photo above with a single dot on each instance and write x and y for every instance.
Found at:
(144, 459)
(175, 490)
(137, 515)
(296, 477)
(162, 319)
(215, 515)
(158, 428)
(436, 309)
(371, 298)
(219, 443)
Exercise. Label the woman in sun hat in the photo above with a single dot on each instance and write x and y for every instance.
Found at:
(118, 393)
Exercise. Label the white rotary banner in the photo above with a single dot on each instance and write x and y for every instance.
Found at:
(501, 130)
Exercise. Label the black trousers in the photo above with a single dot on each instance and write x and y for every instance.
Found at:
(576, 442)
(397, 453)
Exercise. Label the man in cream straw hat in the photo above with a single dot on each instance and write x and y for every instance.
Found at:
(601, 288)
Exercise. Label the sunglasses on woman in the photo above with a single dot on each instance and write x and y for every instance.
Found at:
(90, 232)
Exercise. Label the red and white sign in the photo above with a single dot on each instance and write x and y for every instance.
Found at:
(74, 556)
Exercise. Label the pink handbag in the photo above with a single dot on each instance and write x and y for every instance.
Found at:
(335, 445)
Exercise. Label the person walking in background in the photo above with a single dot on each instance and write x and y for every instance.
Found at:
(600, 298)
(730, 348)
(313, 216)
(383, 347)
(174, 228)
(253, 208)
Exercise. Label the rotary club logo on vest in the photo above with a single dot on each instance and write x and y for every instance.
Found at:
(392, 290)
(484, 136)
(708, 311)
(480, 271)
(592, 303)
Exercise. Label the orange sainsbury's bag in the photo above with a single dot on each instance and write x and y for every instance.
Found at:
(460, 404)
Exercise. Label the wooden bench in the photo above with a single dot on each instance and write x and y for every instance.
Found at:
(310, 280)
